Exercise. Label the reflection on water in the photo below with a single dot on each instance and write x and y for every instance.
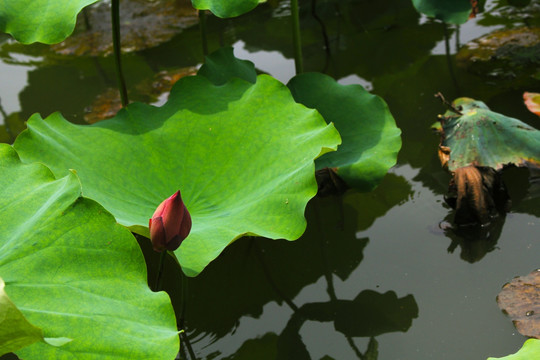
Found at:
(374, 276)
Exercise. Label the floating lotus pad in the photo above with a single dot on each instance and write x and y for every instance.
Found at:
(520, 299)
(242, 154)
(450, 11)
(228, 8)
(74, 273)
(482, 137)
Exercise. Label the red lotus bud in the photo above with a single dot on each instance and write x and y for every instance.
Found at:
(170, 224)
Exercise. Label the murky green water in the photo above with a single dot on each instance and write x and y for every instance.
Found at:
(383, 266)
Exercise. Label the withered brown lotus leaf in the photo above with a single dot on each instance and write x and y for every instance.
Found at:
(520, 299)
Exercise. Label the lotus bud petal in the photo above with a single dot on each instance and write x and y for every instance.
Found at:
(170, 224)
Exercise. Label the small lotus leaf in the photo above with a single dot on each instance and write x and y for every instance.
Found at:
(482, 137)
(46, 21)
(226, 9)
(450, 11)
(75, 273)
(242, 154)
(520, 299)
(529, 351)
(371, 139)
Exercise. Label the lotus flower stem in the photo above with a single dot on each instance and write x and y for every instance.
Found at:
(298, 62)
(115, 17)
(449, 56)
(204, 31)
(159, 278)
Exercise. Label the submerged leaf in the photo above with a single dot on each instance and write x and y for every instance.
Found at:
(520, 299)
(243, 155)
(75, 273)
(507, 55)
(143, 24)
(482, 137)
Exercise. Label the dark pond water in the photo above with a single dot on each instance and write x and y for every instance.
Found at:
(381, 270)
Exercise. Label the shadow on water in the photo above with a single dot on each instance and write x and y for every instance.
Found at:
(255, 272)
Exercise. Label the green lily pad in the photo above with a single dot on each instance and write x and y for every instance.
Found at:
(482, 137)
(371, 139)
(75, 273)
(46, 21)
(228, 8)
(530, 350)
(242, 155)
(450, 11)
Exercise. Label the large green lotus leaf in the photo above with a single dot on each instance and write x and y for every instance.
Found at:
(529, 351)
(371, 139)
(450, 11)
(75, 273)
(226, 8)
(483, 137)
(241, 153)
(46, 21)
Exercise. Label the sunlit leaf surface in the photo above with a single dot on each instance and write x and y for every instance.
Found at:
(46, 21)
(482, 137)
(75, 273)
(371, 139)
(241, 153)
(520, 299)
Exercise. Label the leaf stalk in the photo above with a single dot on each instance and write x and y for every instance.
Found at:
(115, 18)
(298, 61)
